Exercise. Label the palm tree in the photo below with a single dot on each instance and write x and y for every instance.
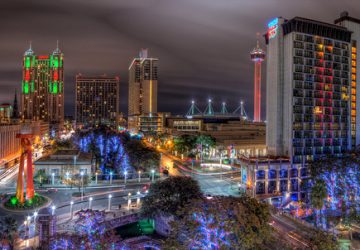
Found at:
(318, 195)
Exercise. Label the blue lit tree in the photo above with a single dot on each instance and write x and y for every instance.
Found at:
(221, 223)
(107, 146)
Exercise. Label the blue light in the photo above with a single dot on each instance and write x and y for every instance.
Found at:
(273, 22)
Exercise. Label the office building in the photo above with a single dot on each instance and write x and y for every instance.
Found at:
(97, 100)
(143, 85)
(42, 96)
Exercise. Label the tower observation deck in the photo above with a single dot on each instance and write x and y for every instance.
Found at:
(257, 55)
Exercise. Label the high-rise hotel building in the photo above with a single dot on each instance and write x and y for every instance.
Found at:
(143, 84)
(308, 89)
(143, 88)
(42, 96)
(97, 100)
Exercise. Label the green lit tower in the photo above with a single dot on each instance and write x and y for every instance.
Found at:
(43, 87)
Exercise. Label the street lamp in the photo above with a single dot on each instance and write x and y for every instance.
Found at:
(67, 175)
(53, 178)
(96, 178)
(111, 176)
(82, 185)
(71, 209)
(35, 215)
(125, 175)
(139, 172)
(109, 202)
(90, 202)
(138, 198)
(129, 200)
(153, 174)
(53, 209)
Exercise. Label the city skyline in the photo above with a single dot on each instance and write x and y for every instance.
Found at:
(201, 56)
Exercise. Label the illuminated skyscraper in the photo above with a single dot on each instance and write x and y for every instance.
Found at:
(42, 96)
(257, 56)
(143, 85)
(97, 99)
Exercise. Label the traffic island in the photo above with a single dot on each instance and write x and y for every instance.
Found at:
(36, 202)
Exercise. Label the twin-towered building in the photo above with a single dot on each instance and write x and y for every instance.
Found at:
(42, 94)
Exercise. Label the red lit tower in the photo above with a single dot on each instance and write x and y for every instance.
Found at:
(257, 56)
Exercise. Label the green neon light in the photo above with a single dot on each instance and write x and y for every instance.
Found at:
(32, 86)
(56, 62)
(55, 88)
(50, 87)
(27, 62)
(26, 88)
(14, 201)
(60, 87)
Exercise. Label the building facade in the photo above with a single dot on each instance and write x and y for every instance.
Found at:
(143, 85)
(311, 92)
(42, 95)
(97, 99)
(353, 25)
(6, 112)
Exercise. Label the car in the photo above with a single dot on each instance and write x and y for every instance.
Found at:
(271, 223)
(208, 196)
(51, 190)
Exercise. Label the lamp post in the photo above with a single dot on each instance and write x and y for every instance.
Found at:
(138, 198)
(129, 200)
(67, 175)
(125, 177)
(35, 215)
(53, 178)
(90, 202)
(53, 210)
(111, 176)
(109, 202)
(82, 185)
(71, 209)
(152, 175)
(96, 178)
(139, 172)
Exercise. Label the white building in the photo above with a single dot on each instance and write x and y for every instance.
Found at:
(65, 161)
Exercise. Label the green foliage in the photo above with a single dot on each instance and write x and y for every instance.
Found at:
(206, 140)
(321, 240)
(184, 143)
(169, 195)
(37, 201)
(63, 144)
(140, 156)
(318, 194)
(40, 177)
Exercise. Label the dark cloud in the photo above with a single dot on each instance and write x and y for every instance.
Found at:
(203, 45)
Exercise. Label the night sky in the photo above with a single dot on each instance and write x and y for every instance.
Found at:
(203, 45)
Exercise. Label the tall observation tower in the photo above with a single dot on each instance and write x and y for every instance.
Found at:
(257, 56)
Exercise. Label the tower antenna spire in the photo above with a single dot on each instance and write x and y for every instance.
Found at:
(57, 44)
(30, 45)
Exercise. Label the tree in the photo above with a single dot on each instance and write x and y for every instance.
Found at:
(79, 181)
(184, 143)
(321, 240)
(221, 223)
(205, 142)
(169, 195)
(142, 157)
(318, 195)
(8, 230)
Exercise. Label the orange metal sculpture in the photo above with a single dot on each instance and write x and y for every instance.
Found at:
(26, 151)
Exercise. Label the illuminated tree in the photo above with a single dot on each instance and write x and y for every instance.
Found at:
(221, 223)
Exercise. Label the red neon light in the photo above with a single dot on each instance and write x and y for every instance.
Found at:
(27, 75)
(43, 57)
(56, 76)
(257, 92)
